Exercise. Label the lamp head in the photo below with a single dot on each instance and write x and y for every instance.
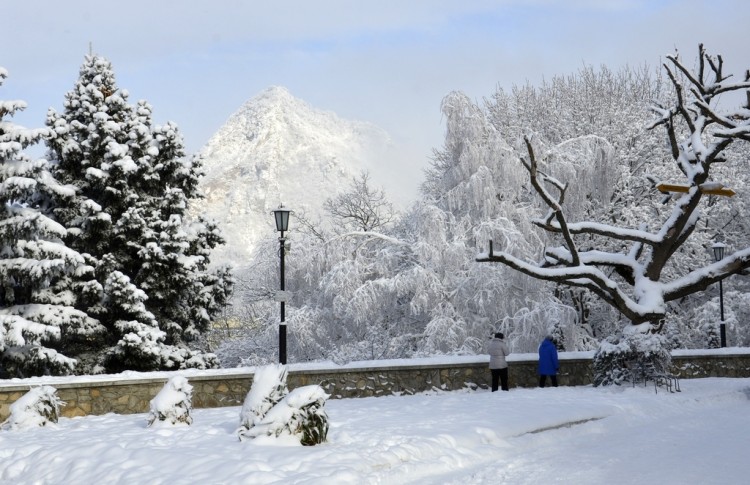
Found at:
(718, 251)
(282, 218)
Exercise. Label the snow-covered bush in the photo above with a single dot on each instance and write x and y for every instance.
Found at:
(713, 335)
(271, 410)
(610, 362)
(300, 415)
(173, 404)
(616, 357)
(38, 407)
(556, 331)
(268, 388)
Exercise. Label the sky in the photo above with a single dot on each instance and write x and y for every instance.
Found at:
(388, 62)
(584, 435)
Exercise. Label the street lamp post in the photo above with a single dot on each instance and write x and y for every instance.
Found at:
(718, 256)
(282, 225)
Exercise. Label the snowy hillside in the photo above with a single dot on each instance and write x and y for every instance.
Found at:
(278, 149)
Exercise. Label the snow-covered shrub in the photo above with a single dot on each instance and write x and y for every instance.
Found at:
(616, 357)
(173, 404)
(713, 335)
(142, 348)
(38, 407)
(268, 388)
(610, 362)
(558, 335)
(300, 415)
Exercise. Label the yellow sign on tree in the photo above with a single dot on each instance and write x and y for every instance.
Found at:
(710, 188)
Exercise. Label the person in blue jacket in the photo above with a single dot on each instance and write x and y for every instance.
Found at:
(548, 363)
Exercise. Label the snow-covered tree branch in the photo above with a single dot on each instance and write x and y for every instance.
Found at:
(699, 136)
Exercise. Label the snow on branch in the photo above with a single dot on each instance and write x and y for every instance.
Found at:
(583, 276)
(369, 235)
(698, 136)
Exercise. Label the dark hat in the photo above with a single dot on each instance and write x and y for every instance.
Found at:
(499, 335)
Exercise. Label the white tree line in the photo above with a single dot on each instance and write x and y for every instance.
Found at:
(578, 157)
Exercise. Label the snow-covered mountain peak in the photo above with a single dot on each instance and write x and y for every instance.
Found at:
(278, 149)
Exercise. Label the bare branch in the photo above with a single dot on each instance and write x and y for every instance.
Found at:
(556, 206)
(580, 276)
(698, 136)
(702, 278)
(605, 230)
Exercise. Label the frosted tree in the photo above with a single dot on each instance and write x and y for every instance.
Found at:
(474, 192)
(634, 279)
(134, 184)
(412, 287)
(166, 250)
(43, 279)
(353, 289)
(594, 125)
(362, 208)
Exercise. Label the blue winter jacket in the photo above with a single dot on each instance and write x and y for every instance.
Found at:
(548, 363)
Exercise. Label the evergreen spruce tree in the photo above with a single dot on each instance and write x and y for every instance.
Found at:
(183, 293)
(135, 184)
(43, 279)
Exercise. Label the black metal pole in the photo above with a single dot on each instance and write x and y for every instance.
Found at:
(282, 325)
(723, 327)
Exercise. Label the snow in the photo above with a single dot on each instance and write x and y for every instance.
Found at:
(38, 407)
(173, 404)
(582, 435)
(269, 387)
(289, 152)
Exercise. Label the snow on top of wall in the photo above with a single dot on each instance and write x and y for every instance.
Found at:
(324, 366)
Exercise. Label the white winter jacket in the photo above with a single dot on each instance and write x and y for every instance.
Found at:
(498, 350)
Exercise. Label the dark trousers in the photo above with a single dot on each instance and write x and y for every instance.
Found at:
(543, 380)
(499, 375)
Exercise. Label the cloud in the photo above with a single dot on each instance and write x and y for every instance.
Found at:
(388, 62)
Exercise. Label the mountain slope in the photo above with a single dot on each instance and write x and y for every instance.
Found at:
(278, 149)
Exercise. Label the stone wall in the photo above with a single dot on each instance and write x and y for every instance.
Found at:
(128, 394)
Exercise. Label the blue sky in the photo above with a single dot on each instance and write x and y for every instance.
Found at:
(387, 62)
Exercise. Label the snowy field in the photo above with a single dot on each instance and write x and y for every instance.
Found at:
(577, 435)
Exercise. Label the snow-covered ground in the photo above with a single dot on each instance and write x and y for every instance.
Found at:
(581, 435)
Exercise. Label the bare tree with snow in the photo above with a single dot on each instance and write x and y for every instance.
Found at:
(362, 208)
(633, 279)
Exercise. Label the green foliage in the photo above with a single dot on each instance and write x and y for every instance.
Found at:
(312, 423)
(133, 186)
(42, 279)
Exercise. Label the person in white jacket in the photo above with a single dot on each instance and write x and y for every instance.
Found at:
(498, 350)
